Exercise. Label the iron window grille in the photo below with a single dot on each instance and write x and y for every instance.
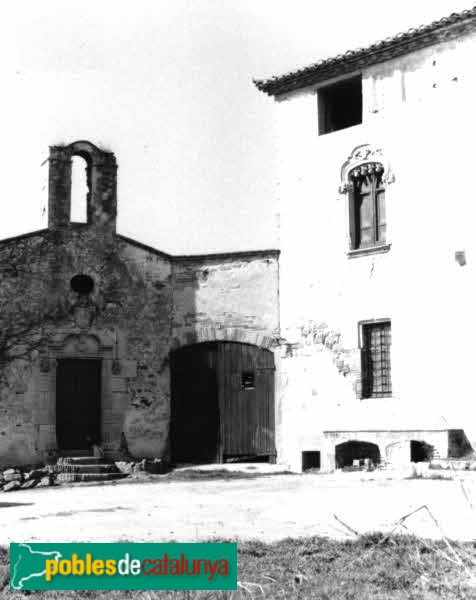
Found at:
(376, 368)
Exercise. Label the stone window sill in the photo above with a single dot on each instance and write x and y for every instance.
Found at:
(366, 251)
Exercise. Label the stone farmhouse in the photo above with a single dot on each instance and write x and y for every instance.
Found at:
(378, 250)
(359, 347)
(97, 331)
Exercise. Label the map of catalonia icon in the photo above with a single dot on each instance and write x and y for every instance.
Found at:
(28, 564)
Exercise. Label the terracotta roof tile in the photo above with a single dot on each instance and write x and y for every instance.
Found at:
(354, 60)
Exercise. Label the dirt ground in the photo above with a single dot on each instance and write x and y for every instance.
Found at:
(266, 508)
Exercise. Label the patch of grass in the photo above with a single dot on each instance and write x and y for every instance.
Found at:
(373, 567)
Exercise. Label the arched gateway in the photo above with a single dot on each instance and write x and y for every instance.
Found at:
(222, 403)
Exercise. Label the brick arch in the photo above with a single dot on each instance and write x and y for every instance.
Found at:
(261, 339)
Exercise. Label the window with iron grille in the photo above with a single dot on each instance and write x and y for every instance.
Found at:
(367, 206)
(376, 371)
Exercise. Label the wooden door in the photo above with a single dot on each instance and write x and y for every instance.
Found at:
(195, 412)
(247, 400)
(78, 403)
(222, 402)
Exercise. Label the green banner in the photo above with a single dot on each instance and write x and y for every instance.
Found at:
(123, 566)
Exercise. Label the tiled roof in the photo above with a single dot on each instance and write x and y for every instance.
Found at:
(445, 29)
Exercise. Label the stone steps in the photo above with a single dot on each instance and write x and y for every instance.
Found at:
(71, 469)
(81, 460)
(83, 477)
(97, 468)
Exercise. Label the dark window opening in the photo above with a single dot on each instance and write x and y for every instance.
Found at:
(340, 105)
(458, 444)
(311, 459)
(80, 189)
(376, 369)
(82, 284)
(368, 227)
(357, 455)
(247, 380)
(421, 451)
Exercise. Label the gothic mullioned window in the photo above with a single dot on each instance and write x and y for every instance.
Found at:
(367, 217)
(364, 179)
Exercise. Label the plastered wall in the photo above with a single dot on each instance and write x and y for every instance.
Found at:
(418, 112)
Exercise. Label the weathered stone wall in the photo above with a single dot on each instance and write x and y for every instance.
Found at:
(417, 284)
(143, 304)
(128, 312)
(226, 297)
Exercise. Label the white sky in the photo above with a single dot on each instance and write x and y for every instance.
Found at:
(167, 86)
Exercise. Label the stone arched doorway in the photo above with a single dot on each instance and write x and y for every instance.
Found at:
(222, 403)
(352, 450)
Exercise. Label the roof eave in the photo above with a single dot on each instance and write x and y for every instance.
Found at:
(357, 60)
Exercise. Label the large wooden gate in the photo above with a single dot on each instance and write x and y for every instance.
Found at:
(78, 403)
(222, 402)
